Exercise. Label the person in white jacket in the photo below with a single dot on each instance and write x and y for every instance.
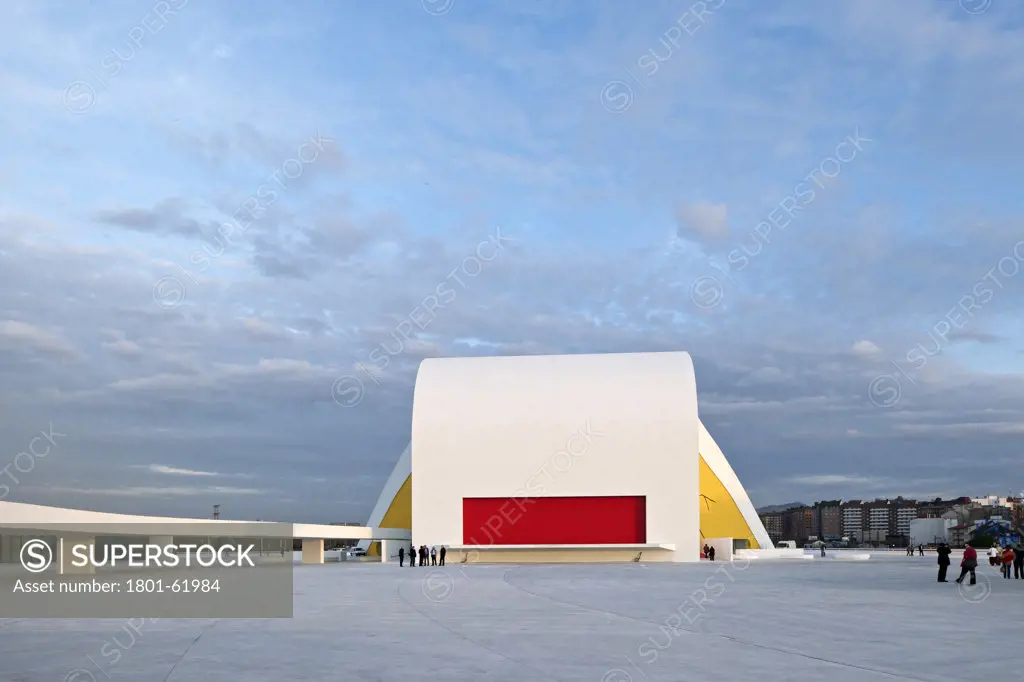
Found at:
(993, 555)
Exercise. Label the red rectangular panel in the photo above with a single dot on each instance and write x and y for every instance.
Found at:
(554, 520)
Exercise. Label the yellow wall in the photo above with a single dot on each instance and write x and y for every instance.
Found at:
(719, 515)
(398, 515)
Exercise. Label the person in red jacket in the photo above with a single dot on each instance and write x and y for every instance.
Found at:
(1007, 558)
(968, 564)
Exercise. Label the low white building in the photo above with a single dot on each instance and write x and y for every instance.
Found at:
(930, 531)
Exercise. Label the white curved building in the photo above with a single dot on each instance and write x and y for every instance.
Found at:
(564, 458)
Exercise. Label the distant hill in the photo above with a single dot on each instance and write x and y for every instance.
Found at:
(780, 507)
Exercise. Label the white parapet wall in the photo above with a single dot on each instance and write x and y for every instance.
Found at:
(802, 554)
(19, 521)
(775, 553)
(723, 548)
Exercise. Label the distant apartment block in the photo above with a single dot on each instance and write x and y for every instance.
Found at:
(830, 519)
(773, 523)
(853, 518)
(804, 523)
(877, 513)
(901, 513)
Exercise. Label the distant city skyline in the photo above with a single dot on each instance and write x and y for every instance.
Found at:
(887, 520)
(789, 505)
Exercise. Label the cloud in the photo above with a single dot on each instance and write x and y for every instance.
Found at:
(977, 336)
(175, 471)
(702, 221)
(262, 330)
(835, 479)
(865, 348)
(167, 218)
(124, 348)
(152, 491)
(963, 430)
(23, 336)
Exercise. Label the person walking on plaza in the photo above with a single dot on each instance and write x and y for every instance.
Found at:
(401, 557)
(1018, 561)
(822, 549)
(441, 554)
(433, 556)
(968, 564)
(920, 550)
(705, 550)
(711, 553)
(423, 555)
(943, 551)
(412, 555)
(1007, 559)
(993, 555)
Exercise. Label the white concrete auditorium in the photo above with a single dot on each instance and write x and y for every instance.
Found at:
(564, 458)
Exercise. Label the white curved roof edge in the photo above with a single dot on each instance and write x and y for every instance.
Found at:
(716, 461)
(402, 471)
(15, 515)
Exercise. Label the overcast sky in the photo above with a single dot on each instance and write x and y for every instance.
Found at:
(230, 232)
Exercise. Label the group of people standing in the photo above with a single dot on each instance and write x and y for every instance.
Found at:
(424, 554)
(1007, 559)
(709, 552)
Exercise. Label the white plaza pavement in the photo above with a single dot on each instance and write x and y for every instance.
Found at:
(825, 619)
